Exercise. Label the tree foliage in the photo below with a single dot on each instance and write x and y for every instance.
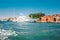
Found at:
(36, 15)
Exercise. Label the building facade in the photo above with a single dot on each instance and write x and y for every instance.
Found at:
(50, 18)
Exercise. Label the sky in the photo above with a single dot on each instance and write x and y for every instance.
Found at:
(12, 8)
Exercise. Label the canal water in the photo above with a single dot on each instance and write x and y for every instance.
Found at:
(29, 31)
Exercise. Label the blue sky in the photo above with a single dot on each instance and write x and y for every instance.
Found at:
(11, 8)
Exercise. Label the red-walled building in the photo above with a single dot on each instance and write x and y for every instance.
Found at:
(50, 18)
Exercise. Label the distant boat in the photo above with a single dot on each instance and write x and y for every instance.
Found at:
(24, 19)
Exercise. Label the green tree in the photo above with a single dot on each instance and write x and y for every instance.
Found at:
(36, 15)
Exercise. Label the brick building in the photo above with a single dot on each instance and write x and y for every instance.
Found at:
(50, 18)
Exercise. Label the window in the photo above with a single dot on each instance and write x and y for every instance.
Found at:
(54, 19)
(47, 19)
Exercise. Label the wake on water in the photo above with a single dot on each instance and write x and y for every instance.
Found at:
(6, 33)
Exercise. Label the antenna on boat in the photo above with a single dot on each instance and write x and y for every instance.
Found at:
(14, 12)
